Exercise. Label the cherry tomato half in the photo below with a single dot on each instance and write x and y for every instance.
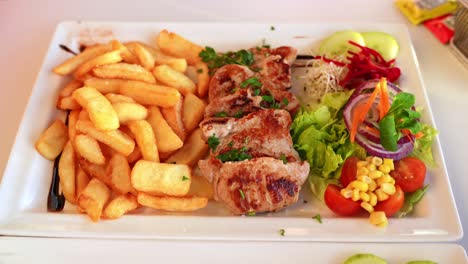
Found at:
(393, 204)
(409, 173)
(349, 171)
(338, 204)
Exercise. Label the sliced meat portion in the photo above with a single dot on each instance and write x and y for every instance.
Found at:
(226, 79)
(256, 185)
(264, 133)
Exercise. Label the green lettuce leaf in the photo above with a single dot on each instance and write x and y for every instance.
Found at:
(411, 199)
(318, 185)
(423, 146)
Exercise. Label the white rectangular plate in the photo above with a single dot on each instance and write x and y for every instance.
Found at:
(26, 180)
(60, 250)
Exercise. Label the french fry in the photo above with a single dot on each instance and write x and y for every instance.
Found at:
(173, 116)
(193, 111)
(118, 172)
(88, 148)
(84, 116)
(68, 89)
(124, 71)
(93, 198)
(105, 86)
(127, 55)
(173, 78)
(134, 156)
(100, 110)
(177, 46)
(200, 186)
(106, 58)
(95, 170)
(193, 150)
(148, 94)
(160, 178)
(130, 111)
(115, 139)
(120, 205)
(66, 169)
(67, 103)
(72, 119)
(82, 180)
(144, 56)
(145, 139)
(118, 98)
(73, 63)
(53, 140)
(178, 64)
(173, 204)
(166, 139)
(203, 77)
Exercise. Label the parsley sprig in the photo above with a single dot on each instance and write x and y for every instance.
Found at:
(213, 142)
(215, 60)
(235, 155)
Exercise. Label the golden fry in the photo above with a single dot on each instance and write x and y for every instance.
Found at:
(120, 205)
(173, 204)
(193, 150)
(144, 56)
(130, 111)
(67, 103)
(100, 110)
(203, 77)
(161, 178)
(73, 63)
(104, 86)
(72, 119)
(118, 172)
(175, 45)
(82, 180)
(173, 78)
(200, 185)
(93, 198)
(53, 140)
(95, 170)
(118, 98)
(70, 87)
(134, 156)
(106, 58)
(124, 71)
(145, 139)
(173, 116)
(193, 111)
(88, 148)
(166, 139)
(148, 94)
(66, 169)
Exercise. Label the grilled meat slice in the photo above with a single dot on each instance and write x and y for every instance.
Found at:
(256, 185)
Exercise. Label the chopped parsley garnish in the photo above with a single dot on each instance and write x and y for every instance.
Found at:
(234, 90)
(215, 60)
(264, 45)
(230, 144)
(213, 142)
(256, 92)
(251, 213)
(318, 218)
(185, 178)
(268, 98)
(285, 101)
(283, 158)
(238, 114)
(200, 70)
(272, 28)
(221, 114)
(242, 195)
(252, 81)
(281, 232)
(235, 155)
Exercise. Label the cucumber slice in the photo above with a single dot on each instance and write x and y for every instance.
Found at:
(365, 259)
(337, 43)
(421, 262)
(383, 43)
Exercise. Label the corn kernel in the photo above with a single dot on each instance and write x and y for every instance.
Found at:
(385, 168)
(384, 179)
(363, 187)
(372, 186)
(376, 161)
(375, 174)
(364, 196)
(364, 179)
(372, 167)
(378, 218)
(369, 159)
(355, 197)
(389, 162)
(369, 208)
(346, 193)
(372, 199)
(361, 163)
(362, 171)
(381, 195)
(388, 188)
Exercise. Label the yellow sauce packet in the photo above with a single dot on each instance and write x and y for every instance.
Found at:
(418, 11)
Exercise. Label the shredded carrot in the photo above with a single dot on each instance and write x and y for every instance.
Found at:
(360, 113)
(418, 135)
(373, 130)
(408, 134)
(384, 104)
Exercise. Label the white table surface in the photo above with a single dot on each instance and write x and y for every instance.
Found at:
(26, 28)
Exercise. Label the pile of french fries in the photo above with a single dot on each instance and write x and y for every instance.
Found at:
(132, 137)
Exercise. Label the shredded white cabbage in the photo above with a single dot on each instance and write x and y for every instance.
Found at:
(320, 78)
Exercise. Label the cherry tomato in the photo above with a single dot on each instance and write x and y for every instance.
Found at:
(393, 204)
(409, 173)
(349, 171)
(338, 204)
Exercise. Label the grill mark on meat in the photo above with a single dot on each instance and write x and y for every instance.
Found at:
(277, 187)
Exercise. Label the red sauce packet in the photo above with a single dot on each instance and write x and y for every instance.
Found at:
(441, 27)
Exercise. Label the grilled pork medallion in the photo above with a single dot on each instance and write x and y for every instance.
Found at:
(252, 164)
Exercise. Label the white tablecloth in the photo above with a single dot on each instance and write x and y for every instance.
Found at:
(27, 26)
